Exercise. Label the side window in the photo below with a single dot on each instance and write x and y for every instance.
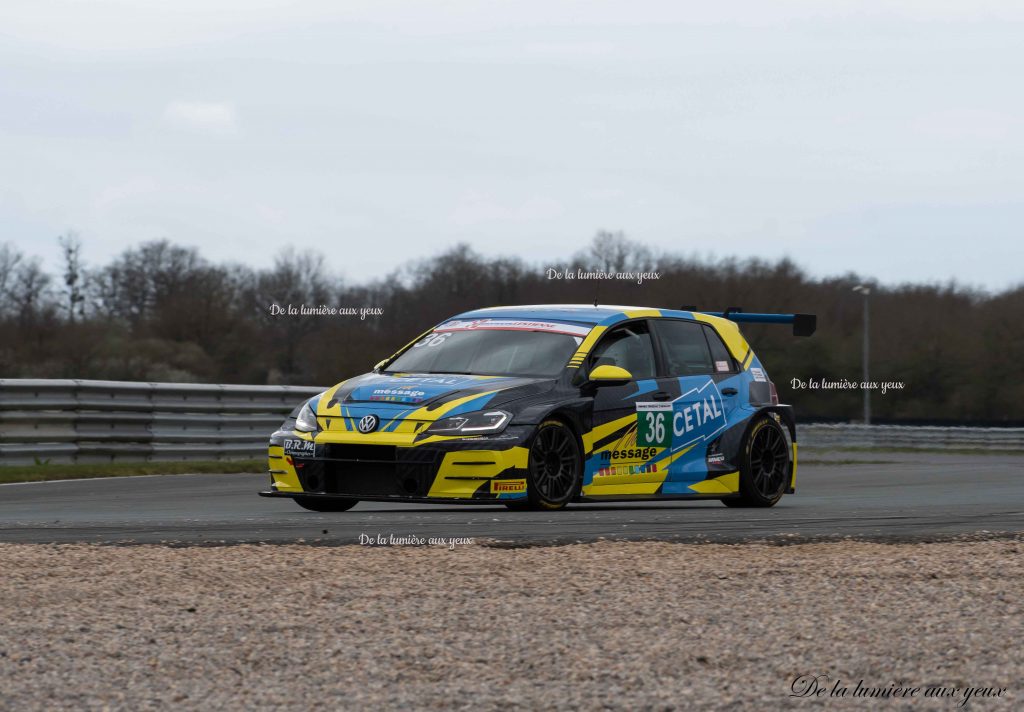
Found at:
(628, 347)
(719, 353)
(686, 348)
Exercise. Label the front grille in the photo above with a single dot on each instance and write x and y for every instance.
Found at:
(360, 453)
(366, 471)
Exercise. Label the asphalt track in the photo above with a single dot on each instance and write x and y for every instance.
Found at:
(907, 497)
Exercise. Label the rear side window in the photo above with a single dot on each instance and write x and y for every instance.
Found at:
(723, 362)
(686, 348)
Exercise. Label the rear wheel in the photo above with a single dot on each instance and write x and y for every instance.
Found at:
(555, 466)
(764, 466)
(326, 504)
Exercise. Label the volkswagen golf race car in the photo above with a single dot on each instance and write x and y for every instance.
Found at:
(538, 406)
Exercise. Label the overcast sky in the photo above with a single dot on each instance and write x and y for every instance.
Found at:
(885, 139)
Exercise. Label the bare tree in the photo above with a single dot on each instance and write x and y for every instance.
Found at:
(29, 291)
(10, 260)
(296, 281)
(74, 275)
(614, 252)
(140, 279)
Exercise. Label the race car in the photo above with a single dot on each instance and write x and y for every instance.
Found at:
(538, 406)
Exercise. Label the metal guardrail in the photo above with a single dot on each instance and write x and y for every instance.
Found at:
(820, 436)
(63, 421)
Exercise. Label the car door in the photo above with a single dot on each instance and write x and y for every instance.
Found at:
(696, 373)
(616, 461)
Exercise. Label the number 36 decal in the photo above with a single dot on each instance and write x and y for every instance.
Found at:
(654, 424)
(432, 340)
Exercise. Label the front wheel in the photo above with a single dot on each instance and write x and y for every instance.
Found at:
(326, 504)
(555, 466)
(764, 466)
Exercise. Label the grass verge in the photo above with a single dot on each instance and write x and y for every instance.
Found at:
(913, 450)
(813, 461)
(42, 473)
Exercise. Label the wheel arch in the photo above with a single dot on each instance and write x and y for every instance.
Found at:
(572, 412)
(785, 413)
(786, 418)
(570, 417)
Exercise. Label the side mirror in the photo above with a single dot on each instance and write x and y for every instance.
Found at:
(609, 375)
(379, 365)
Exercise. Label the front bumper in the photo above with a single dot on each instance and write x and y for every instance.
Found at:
(457, 469)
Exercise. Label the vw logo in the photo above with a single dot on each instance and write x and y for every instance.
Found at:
(368, 423)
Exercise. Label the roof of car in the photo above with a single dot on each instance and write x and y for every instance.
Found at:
(583, 313)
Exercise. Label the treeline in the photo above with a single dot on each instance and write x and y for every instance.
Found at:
(161, 312)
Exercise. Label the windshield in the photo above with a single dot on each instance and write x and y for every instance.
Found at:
(493, 347)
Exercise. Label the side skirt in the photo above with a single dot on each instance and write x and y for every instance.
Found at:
(370, 498)
(652, 497)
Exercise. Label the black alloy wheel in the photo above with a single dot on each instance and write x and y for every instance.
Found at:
(765, 466)
(555, 466)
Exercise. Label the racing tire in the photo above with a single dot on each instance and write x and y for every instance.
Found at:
(325, 504)
(764, 466)
(555, 468)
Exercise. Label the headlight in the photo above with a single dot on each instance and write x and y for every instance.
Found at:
(478, 423)
(305, 421)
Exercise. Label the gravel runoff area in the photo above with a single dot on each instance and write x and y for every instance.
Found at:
(632, 626)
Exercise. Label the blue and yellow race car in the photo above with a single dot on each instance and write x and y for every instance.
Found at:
(538, 406)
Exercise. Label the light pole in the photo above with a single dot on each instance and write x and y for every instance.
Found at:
(866, 291)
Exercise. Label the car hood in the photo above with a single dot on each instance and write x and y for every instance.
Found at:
(430, 390)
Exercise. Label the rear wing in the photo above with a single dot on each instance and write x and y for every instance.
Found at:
(803, 324)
